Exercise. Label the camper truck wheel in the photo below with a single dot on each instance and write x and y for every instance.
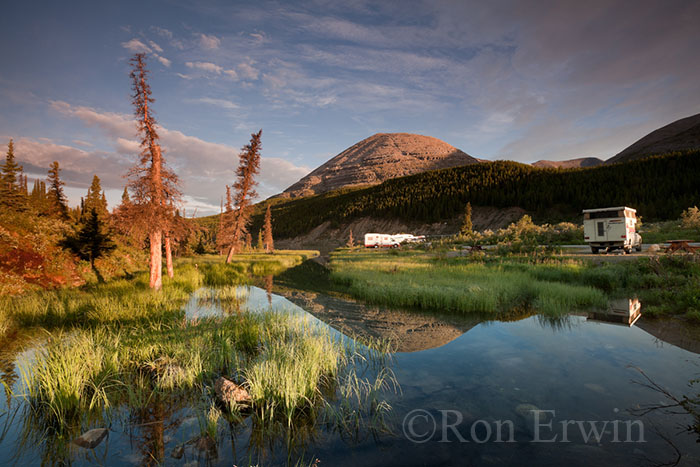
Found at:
(594, 249)
(638, 247)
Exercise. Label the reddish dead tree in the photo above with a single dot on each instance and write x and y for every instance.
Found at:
(221, 240)
(154, 187)
(236, 221)
(267, 232)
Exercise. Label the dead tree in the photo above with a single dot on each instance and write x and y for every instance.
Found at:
(153, 185)
(236, 221)
(267, 232)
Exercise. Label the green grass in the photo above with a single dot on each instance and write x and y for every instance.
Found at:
(493, 285)
(660, 232)
(119, 347)
(418, 280)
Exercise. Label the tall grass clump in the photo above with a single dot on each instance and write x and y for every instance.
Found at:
(295, 360)
(71, 374)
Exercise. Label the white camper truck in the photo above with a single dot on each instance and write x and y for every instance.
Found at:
(376, 240)
(611, 228)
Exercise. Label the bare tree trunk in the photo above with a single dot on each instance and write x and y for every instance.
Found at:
(229, 257)
(156, 260)
(168, 257)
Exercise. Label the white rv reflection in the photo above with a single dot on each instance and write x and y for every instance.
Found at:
(625, 311)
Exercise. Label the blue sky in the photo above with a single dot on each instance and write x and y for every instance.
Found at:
(499, 80)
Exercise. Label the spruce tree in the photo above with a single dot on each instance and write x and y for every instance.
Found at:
(261, 245)
(95, 198)
(12, 195)
(91, 241)
(467, 227)
(58, 204)
(267, 232)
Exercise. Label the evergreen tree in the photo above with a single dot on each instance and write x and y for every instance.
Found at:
(58, 204)
(248, 242)
(95, 199)
(267, 232)
(261, 245)
(38, 198)
(91, 241)
(125, 196)
(12, 192)
(467, 227)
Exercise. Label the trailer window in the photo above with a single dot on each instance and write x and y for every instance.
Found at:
(601, 229)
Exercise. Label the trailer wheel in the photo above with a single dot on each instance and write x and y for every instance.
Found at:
(376, 246)
(395, 245)
(638, 248)
(594, 249)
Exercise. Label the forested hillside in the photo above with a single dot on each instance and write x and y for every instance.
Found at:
(659, 187)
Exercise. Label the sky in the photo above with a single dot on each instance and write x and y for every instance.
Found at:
(519, 80)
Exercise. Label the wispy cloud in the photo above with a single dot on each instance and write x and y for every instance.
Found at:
(136, 46)
(164, 61)
(223, 103)
(209, 42)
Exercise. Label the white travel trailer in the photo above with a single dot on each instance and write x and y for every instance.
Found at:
(408, 238)
(611, 228)
(376, 240)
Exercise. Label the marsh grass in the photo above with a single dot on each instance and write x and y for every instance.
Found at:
(424, 280)
(118, 348)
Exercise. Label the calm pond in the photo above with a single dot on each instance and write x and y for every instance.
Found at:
(533, 391)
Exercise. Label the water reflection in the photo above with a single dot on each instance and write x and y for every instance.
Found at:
(624, 311)
(482, 370)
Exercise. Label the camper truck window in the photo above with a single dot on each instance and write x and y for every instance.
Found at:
(606, 214)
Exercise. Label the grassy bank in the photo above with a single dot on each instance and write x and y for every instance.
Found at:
(500, 285)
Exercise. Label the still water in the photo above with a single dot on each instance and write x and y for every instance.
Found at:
(533, 391)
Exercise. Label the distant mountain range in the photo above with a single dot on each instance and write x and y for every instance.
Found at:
(385, 156)
(569, 164)
(681, 135)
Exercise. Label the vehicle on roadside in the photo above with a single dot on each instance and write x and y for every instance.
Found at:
(408, 238)
(377, 240)
(610, 229)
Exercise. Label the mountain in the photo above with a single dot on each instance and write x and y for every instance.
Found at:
(660, 188)
(681, 135)
(569, 164)
(378, 158)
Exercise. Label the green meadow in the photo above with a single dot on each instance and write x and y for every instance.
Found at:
(494, 285)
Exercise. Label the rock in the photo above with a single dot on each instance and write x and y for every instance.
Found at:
(206, 444)
(178, 452)
(90, 439)
(655, 248)
(230, 393)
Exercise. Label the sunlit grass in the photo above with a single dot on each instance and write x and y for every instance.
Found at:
(422, 280)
